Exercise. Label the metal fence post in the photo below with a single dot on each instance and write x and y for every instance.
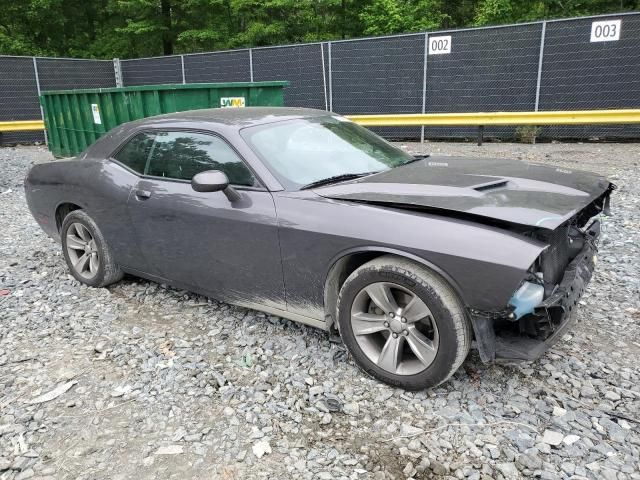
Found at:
(324, 77)
(251, 64)
(330, 79)
(117, 71)
(184, 79)
(542, 38)
(424, 82)
(35, 71)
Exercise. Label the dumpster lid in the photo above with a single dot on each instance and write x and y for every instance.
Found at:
(172, 86)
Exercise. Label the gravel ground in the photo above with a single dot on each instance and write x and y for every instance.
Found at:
(152, 382)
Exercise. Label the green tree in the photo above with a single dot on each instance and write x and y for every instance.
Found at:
(148, 23)
(134, 28)
(382, 17)
(494, 11)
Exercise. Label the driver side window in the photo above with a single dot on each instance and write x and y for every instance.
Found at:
(181, 155)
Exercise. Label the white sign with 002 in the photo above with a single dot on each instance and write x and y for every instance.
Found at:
(440, 45)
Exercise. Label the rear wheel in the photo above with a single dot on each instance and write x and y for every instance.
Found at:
(403, 323)
(86, 252)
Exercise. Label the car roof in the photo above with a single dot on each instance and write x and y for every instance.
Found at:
(234, 117)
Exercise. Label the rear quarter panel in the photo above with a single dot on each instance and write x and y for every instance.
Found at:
(99, 187)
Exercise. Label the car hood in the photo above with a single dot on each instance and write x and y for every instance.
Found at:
(507, 190)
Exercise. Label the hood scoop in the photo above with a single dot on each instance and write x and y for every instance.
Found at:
(490, 185)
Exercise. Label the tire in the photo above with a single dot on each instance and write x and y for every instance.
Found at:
(72, 232)
(424, 352)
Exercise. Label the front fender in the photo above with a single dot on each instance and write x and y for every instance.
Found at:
(484, 264)
(338, 261)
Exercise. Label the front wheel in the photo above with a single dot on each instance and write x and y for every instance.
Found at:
(402, 323)
(86, 252)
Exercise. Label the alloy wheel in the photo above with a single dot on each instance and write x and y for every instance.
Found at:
(394, 328)
(82, 251)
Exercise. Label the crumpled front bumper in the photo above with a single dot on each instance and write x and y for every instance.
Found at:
(559, 308)
(564, 300)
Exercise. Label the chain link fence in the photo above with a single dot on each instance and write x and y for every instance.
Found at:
(19, 96)
(23, 78)
(152, 71)
(572, 64)
(579, 75)
(231, 66)
(301, 65)
(379, 75)
(488, 70)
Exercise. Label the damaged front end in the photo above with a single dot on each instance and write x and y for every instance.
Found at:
(544, 305)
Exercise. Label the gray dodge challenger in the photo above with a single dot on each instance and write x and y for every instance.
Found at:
(303, 214)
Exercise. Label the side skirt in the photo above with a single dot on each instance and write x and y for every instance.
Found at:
(295, 317)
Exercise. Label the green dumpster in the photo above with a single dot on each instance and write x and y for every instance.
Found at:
(74, 119)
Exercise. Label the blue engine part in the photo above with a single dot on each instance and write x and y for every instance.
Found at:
(526, 298)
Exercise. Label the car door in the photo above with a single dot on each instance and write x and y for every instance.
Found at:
(113, 184)
(201, 240)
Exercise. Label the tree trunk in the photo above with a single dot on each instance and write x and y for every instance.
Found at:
(344, 19)
(167, 34)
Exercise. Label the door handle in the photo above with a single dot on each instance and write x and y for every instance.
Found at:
(143, 194)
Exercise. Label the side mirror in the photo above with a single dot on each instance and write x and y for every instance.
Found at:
(214, 181)
(209, 181)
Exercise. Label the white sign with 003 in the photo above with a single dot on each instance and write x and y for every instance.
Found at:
(95, 110)
(440, 45)
(606, 31)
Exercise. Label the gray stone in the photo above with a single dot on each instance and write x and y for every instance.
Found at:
(25, 474)
(547, 475)
(261, 448)
(170, 450)
(558, 411)
(439, 468)
(409, 470)
(608, 474)
(508, 470)
(570, 439)
(494, 451)
(588, 392)
(5, 464)
(552, 438)
(568, 468)
(612, 395)
(530, 459)
(407, 430)
(20, 463)
(351, 408)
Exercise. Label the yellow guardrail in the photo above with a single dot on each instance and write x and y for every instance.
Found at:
(480, 119)
(574, 117)
(22, 126)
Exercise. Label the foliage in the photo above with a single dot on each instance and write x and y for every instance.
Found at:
(132, 28)
(527, 133)
(396, 16)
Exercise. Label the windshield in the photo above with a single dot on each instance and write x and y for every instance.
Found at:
(303, 151)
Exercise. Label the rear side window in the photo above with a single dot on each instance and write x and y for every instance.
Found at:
(136, 152)
(181, 155)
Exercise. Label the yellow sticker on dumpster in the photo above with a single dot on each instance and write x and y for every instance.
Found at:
(232, 102)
